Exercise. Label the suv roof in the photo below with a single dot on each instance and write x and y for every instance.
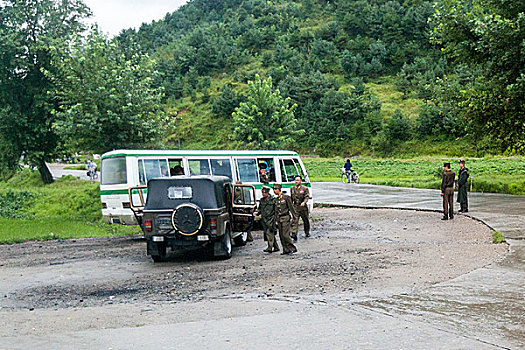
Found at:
(206, 191)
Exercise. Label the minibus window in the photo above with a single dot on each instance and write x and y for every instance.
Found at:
(155, 168)
(113, 171)
(300, 169)
(248, 171)
(266, 164)
(176, 167)
(291, 170)
(199, 166)
(221, 167)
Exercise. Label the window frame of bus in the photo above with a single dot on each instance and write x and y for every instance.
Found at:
(112, 159)
(145, 173)
(237, 170)
(284, 173)
(210, 167)
(272, 159)
(219, 158)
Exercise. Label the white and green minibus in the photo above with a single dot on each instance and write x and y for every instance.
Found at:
(123, 169)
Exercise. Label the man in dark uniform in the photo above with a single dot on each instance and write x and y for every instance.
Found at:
(267, 211)
(284, 211)
(300, 196)
(462, 187)
(447, 192)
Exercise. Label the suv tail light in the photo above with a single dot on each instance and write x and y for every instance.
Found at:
(126, 205)
(104, 205)
(213, 223)
(147, 225)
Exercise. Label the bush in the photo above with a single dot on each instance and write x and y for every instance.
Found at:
(11, 202)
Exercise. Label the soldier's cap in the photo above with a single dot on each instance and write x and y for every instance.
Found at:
(265, 189)
(278, 186)
(461, 161)
(446, 165)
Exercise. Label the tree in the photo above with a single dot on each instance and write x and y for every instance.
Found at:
(266, 120)
(106, 101)
(487, 35)
(28, 28)
(224, 105)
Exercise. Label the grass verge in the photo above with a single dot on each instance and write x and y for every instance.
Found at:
(489, 174)
(68, 208)
(43, 229)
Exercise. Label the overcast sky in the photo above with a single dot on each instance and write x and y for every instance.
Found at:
(114, 15)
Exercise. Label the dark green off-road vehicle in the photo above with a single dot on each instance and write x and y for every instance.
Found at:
(190, 211)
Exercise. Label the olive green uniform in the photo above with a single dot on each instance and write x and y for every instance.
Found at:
(462, 189)
(267, 211)
(447, 189)
(284, 211)
(300, 196)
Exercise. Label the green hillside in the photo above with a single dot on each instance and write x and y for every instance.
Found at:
(359, 71)
(365, 77)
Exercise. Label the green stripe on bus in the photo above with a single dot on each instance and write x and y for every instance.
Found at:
(257, 186)
(202, 155)
(108, 192)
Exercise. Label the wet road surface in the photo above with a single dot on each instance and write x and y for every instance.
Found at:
(478, 304)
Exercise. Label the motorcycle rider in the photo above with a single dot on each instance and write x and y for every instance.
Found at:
(348, 170)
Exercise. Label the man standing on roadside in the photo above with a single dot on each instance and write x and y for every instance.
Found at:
(284, 211)
(447, 192)
(300, 196)
(462, 187)
(267, 211)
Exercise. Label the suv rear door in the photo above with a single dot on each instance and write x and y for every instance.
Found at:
(243, 205)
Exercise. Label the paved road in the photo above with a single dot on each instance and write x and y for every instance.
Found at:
(505, 213)
(477, 305)
(58, 170)
(484, 309)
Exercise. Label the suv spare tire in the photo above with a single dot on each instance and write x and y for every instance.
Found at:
(187, 219)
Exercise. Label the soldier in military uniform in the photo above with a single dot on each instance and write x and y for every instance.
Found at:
(447, 192)
(284, 212)
(267, 211)
(462, 187)
(300, 196)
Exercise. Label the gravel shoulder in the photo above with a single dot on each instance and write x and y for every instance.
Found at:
(353, 255)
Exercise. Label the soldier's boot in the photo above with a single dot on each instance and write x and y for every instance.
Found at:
(465, 208)
(249, 237)
(268, 250)
(451, 216)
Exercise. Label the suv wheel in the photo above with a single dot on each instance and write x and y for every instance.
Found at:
(161, 248)
(226, 246)
(241, 239)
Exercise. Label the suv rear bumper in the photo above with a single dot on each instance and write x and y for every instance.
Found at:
(178, 242)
